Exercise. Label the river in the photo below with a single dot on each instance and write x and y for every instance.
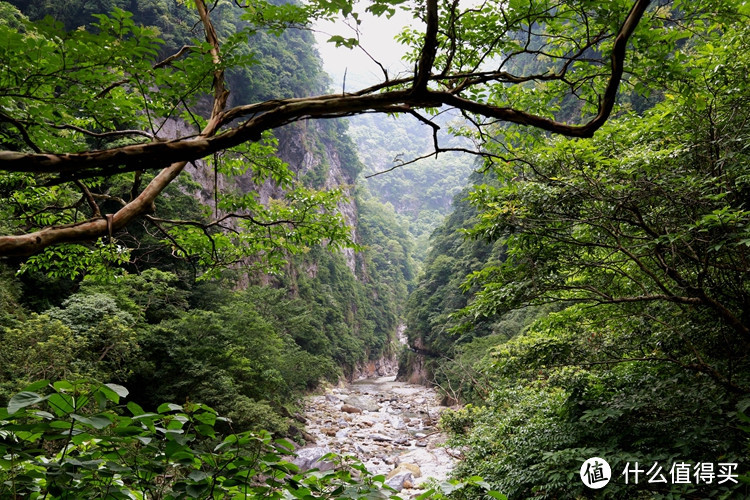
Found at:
(388, 425)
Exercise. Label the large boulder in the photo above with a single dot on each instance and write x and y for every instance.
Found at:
(397, 482)
(406, 467)
(403, 476)
(363, 403)
(309, 458)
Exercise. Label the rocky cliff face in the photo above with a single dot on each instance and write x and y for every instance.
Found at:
(314, 152)
(305, 148)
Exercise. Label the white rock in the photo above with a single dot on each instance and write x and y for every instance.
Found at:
(397, 481)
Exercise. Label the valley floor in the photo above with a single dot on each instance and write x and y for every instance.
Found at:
(388, 425)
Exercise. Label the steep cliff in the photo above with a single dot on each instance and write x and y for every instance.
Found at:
(353, 300)
(356, 298)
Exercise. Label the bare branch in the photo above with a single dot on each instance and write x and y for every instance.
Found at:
(176, 55)
(24, 134)
(89, 198)
(111, 133)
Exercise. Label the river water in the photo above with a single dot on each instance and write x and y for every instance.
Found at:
(388, 425)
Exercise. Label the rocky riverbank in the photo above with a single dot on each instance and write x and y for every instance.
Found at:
(388, 425)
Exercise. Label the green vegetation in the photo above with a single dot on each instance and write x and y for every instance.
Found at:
(421, 192)
(173, 221)
(250, 354)
(80, 440)
(181, 306)
(606, 311)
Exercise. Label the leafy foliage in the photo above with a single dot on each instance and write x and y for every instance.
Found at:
(79, 439)
(637, 238)
(115, 81)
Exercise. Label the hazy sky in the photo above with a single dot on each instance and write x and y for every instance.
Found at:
(377, 37)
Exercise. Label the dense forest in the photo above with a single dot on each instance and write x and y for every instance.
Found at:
(590, 298)
(192, 241)
(246, 334)
(422, 191)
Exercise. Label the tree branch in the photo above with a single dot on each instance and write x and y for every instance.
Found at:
(267, 116)
(429, 49)
(28, 244)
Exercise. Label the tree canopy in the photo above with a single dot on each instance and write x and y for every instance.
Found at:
(82, 108)
(607, 313)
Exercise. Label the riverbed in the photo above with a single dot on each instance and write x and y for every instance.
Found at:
(390, 426)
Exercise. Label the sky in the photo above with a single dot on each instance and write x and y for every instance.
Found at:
(376, 36)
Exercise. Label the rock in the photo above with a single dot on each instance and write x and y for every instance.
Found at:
(406, 467)
(350, 409)
(380, 437)
(376, 419)
(397, 482)
(363, 403)
(342, 433)
(329, 431)
(397, 423)
(309, 438)
(308, 458)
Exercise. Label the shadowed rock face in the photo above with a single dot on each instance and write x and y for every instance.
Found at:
(388, 425)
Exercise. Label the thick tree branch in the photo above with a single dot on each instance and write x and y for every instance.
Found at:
(429, 49)
(267, 116)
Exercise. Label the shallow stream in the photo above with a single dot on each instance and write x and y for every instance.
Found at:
(388, 425)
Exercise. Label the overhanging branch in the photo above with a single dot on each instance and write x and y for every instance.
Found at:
(270, 115)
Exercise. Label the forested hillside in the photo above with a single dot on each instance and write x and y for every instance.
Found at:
(589, 298)
(189, 249)
(244, 341)
(420, 191)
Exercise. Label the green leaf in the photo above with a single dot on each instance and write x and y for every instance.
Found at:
(118, 389)
(135, 409)
(36, 385)
(62, 404)
(22, 400)
(197, 475)
(109, 394)
(196, 490)
(63, 386)
(167, 407)
(496, 494)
